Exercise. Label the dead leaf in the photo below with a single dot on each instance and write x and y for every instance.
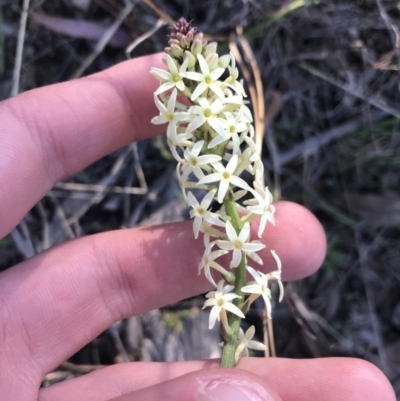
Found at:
(80, 29)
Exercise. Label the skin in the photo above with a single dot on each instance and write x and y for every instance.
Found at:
(56, 302)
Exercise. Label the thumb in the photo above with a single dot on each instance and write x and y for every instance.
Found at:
(208, 385)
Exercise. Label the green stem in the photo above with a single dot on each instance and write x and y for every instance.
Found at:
(228, 352)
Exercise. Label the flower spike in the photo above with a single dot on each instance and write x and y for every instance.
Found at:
(210, 133)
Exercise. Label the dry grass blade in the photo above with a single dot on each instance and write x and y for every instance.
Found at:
(254, 83)
(23, 240)
(20, 48)
(81, 369)
(389, 23)
(160, 23)
(80, 29)
(98, 188)
(380, 104)
(376, 327)
(312, 145)
(159, 12)
(104, 39)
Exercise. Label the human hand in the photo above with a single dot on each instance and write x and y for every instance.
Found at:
(54, 303)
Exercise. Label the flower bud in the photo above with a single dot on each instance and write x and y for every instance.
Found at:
(176, 51)
(223, 61)
(173, 42)
(210, 49)
(190, 36)
(200, 36)
(192, 59)
(212, 61)
(183, 41)
(197, 46)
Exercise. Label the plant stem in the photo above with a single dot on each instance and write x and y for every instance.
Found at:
(228, 352)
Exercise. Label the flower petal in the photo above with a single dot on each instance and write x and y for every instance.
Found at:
(234, 309)
(214, 315)
(203, 65)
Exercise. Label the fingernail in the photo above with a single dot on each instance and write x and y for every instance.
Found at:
(232, 389)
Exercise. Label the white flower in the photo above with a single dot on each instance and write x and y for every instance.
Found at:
(168, 114)
(178, 140)
(225, 176)
(171, 78)
(261, 286)
(262, 206)
(277, 274)
(200, 212)
(221, 302)
(245, 342)
(233, 125)
(206, 112)
(233, 76)
(208, 79)
(208, 261)
(244, 161)
(195, 162)
(237, 243)
(209, 231)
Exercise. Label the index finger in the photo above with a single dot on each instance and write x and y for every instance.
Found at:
(53, 132)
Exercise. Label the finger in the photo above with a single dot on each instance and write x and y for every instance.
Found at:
(50, 133)
(207, 385)
(328, 379)
(71, 293)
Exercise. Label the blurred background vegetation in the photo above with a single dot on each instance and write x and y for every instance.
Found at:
(325, 82)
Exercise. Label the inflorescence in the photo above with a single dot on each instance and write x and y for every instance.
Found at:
(210, 134)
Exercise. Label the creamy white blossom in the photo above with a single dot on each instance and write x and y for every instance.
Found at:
(208, 113)
(200, 211)
(221, 302)
(169, 115)
(238, 243)
(208, 79)
(195, 162)
(225, 176)
(245, 342)
(171, 78)
(262, 205)
(259, 288)
(208, 261)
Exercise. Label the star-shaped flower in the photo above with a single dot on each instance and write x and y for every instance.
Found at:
(206, 112)
(233, 126)
(237, 243)
(208, 79)
(262, 206)
(225, 176)
(208, 261)
(245, 343)
(221, 302)
(259, 288)
(176, 140)
(200, 211)
(169, 115)
(196, 162)
(171, 78)
(261, 285)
